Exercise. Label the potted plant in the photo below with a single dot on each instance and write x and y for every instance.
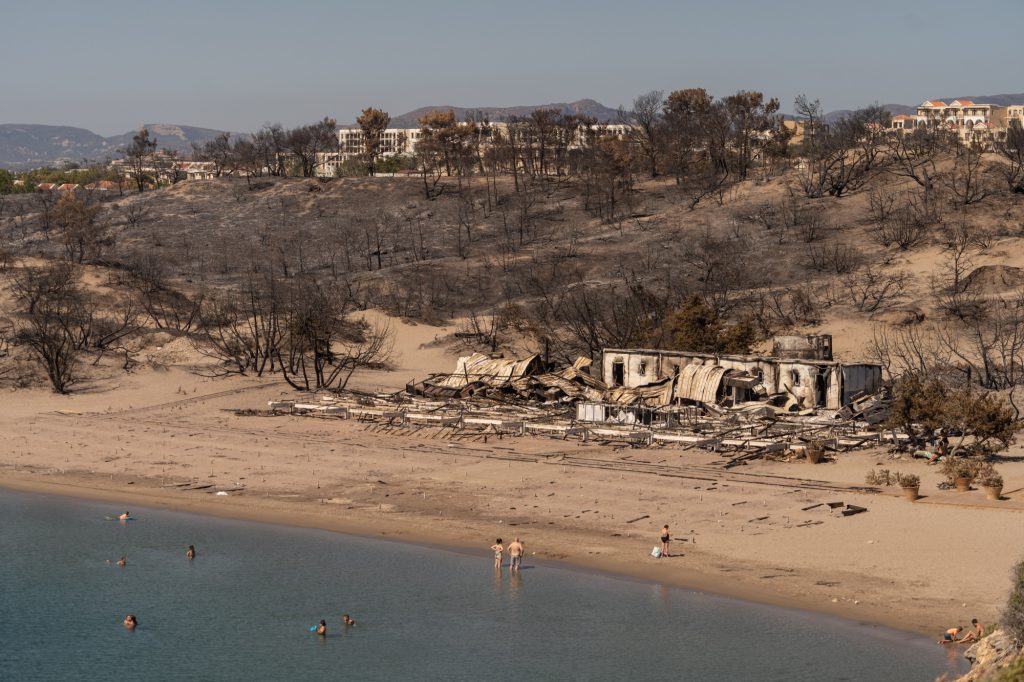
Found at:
(960, 472)
(910, 484)
(814, 452)
(991, 481)
(879, 477)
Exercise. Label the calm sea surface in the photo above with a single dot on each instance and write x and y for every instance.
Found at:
(242, 611)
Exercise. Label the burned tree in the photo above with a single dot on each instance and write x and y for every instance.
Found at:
(1011, 149)
(48, 303)
(81, 230)
(842, 156)
(306, 143)
(322, 345)
(646, 130)
(138, 157)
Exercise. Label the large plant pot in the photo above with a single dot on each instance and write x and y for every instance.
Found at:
(814, 455)
(993, 492)
(911, 493)
(962, 483)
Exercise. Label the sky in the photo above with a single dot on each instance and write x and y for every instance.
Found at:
(111, 66)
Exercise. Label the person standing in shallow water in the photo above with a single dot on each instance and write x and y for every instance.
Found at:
(498, 549)
(321, 629)
(515, 554)
(191, 553)
(665, 539)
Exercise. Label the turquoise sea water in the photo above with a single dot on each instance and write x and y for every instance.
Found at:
(242, 611)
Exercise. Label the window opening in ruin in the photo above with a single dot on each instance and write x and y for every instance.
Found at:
(618, 373)
(641, 368)
(794, 376)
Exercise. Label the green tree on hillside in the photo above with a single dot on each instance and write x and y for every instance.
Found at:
(373, 123)
(697, 327)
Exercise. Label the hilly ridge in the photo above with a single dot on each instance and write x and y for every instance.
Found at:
(25, 146)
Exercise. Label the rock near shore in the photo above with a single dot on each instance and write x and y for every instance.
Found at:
(992, 657)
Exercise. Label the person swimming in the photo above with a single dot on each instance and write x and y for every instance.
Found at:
(348, 620)
(191, 553)
(130, 622)
(124, 517)
(122, 562)
(321, 629)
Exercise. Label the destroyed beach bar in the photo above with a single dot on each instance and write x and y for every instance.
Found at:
(799, 375)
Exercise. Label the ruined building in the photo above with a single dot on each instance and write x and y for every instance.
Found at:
(800, 373)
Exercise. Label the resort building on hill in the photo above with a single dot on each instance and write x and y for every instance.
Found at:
(403, 142)
(971, 121)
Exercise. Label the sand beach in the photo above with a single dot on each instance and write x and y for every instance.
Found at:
(170, 438)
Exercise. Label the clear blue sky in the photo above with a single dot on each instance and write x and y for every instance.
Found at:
(110, 66)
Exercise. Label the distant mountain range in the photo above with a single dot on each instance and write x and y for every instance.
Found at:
(33, 146)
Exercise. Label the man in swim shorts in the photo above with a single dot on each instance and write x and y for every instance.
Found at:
(949, 636)
(515, 553)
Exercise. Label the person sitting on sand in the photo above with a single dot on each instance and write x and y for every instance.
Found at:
(191, 553)
(949, 636)
(130, 622)
(665, 539)
(976, 633)
(122, 562)
(348, 620)
(498, 549)
(515, 553)
(941, 450)
(321, 629)
(124, 517)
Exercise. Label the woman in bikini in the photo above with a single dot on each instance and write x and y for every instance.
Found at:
(498, 549)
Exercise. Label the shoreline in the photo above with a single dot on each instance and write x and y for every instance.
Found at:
(310, 514)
